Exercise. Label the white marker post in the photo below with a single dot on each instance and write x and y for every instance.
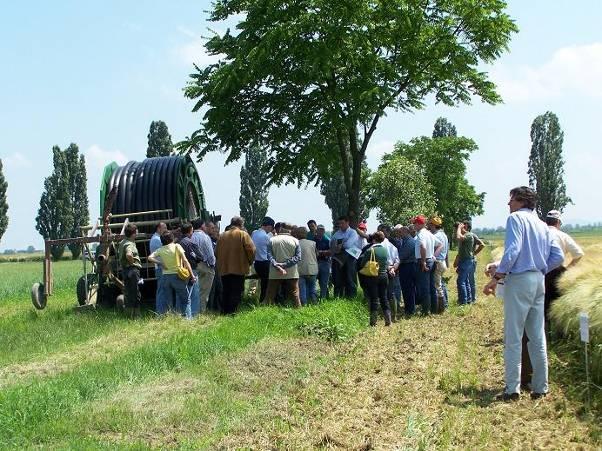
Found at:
(584, 331)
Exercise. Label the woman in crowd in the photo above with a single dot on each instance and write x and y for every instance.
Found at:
(170, 256)
(376, 286)
(308, 267)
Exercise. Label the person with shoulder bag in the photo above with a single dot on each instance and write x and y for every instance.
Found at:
(374, 265)
(175, 276)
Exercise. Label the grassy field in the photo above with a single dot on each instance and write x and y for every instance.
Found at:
(269, 378)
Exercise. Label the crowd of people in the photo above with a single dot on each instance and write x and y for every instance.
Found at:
(399, 269)
(198, 268)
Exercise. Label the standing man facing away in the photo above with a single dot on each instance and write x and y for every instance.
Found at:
(193, 255)
(441, 262)
(569, 248)
(130, 263)
(345, 275)
(261, 239)
(407, 270)
(425, 271)
(530, 251)
(235, 253)
(206, 261)
(323, 248)
(284, 253)
(478, 247)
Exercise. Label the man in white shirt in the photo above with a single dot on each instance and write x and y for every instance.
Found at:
(344, 239)
(261, 238)
(569, 247)
(425, 248)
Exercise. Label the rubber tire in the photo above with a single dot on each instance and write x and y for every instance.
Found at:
(38, 299)
(81, 287)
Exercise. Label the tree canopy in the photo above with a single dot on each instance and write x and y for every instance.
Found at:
(78, 194)
(444, 128)
(546, 164)
(159, 140)
(443, 161)
(254, 189)
(399, 190)
(296, 75)
(3, 203)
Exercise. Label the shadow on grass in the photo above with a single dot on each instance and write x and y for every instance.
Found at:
(470, 397)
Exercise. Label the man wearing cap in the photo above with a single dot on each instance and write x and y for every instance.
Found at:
(323, 248)
(345, 238)
(425, 248)
(569, 248)
(261, 238)
(435, 226)
(530, 251)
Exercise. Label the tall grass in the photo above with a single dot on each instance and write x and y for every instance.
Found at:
(581, 286)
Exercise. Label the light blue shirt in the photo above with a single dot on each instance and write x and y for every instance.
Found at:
(529, 245)
(442, 238)
(202, 240)
(261, 240)
(154, 244)
(349, 237)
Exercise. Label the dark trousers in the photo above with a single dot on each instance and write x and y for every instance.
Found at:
(233, 287)
(215, 296)
(345, 281)
(262, 268)
(131, 293)
(407, 279)
(425, 287)
(377, 292)
(552, 290)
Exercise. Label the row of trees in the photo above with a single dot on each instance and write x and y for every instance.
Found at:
(3, 203)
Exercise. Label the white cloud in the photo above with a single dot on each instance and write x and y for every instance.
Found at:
(97, 158)
(572, 70)
(16, 161)
(193, 51)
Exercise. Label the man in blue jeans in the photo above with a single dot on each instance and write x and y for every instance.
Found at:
(464, 263)
(407, 270)
(424, 251)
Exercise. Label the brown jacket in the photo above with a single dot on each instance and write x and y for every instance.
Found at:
(235, 252)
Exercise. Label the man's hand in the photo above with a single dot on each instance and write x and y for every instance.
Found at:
(280, 269)
(425, 267)
(490, 287)
(490, 269)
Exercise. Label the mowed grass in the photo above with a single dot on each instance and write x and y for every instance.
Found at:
(273, 378)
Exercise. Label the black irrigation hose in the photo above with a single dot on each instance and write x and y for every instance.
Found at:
(157, 184)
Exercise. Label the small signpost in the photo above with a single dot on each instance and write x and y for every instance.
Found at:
(584, 331)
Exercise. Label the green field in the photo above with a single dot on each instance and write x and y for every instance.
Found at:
(272, 377)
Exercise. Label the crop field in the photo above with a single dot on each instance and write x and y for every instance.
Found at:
(271, 377)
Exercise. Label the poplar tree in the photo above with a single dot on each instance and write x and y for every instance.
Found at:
(78, 181)
(159, 140)
(3, 203)
(444, 128)
(546, 164)
(55, 216)
(254, 188)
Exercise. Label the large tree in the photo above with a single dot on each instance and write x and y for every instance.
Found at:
(443, 161)
(55, 215)
(400, 190)
(3, 203)
(298, 74)
(254, 188)
(159, 140)
(546, 164)
(78, 195)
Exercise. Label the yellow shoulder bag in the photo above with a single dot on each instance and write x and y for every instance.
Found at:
(371, 267)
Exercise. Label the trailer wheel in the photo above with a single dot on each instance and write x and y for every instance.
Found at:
(38, 298)
(81, 288)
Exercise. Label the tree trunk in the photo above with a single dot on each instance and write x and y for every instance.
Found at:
(353, 192)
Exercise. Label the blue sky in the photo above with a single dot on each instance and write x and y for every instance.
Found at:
(97, 74)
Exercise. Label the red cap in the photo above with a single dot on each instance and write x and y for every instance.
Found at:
(362, 226)
(420, 219)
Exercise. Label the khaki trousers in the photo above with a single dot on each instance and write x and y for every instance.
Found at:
(206, 275)
(291, 286)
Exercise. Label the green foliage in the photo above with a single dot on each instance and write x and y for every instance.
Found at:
(546, 164)
(399, 190)
(55, 215)
(443, 161)
(78, 181)
(444, 128)
(254, 188)
(294, 76)
(326, 329)
(3, 203)
(159, 140)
